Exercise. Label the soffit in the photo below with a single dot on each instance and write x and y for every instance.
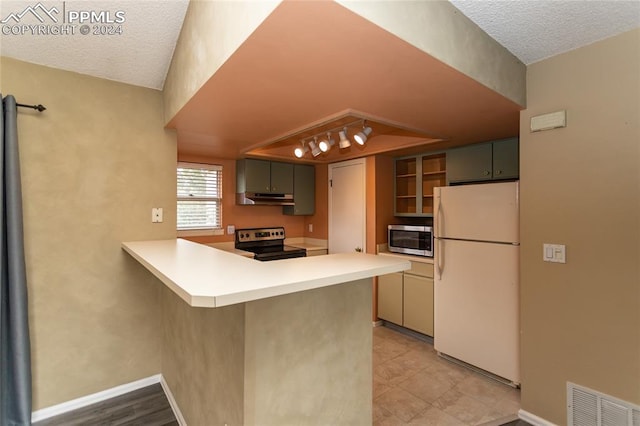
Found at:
(310, 61)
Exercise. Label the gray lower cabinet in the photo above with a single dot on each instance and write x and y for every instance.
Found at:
(496, 160)
(304, 191)
(406, 298)
(390, 297)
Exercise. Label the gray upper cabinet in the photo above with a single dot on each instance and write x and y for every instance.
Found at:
(495, 160)
(505, 159)
(304, 191)
(281, 178)
(262, 176)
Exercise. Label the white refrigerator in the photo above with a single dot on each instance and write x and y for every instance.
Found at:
(476, 292)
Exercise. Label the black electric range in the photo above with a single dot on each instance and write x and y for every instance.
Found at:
(266, 244)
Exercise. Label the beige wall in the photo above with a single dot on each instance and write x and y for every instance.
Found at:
(580, 186)
(203, 360)
(308, 357)
(93, 165)
(211, 32)
(439, 29)
(301, 358)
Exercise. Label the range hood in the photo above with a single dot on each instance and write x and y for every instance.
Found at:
(264, 199)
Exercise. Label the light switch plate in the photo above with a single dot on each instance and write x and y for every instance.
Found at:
(554, 253)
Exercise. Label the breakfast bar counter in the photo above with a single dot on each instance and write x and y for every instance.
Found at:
(207, 277)
(265, 343)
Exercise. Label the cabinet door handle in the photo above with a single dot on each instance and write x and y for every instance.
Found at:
(486, 172)
(498, 172)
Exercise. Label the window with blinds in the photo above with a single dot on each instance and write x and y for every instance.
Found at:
(199, 196)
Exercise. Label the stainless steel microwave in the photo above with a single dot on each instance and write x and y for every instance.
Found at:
(411, 239)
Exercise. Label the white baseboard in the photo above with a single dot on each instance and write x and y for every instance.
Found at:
(533, 419)
(85, 401)
(377, 323)
(172, 402)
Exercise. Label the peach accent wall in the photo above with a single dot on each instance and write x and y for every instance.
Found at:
(379, 208)
(320, 220)
(580, 186)
(247, 216)
(93, 165)
(384, 197)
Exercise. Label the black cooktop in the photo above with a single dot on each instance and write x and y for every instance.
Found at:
(266, 244)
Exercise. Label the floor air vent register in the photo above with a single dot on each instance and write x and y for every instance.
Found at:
(586, 407)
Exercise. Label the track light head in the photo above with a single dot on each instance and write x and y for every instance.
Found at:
(301, 150)
(315, 150)
(362, 136)
(326, 144)
(344, 141)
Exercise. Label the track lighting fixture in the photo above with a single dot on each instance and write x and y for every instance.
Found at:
(326, 144)
(362, 136)
(315, 149)
(344, 141)
(301, 150)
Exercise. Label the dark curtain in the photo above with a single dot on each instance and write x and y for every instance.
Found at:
(15, 347)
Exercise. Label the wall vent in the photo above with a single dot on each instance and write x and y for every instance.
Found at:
(586, 407)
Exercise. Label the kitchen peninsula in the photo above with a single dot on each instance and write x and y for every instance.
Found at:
(284, 342)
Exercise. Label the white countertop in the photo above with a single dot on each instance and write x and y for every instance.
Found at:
(411, 257)
(207, 277)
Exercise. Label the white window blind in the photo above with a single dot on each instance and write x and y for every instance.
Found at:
(199, 196)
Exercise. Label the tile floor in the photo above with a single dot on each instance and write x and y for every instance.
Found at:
(412, 385)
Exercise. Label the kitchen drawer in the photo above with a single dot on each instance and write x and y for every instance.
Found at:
(421, 268)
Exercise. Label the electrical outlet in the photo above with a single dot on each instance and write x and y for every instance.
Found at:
(156, 215)
(311, 227)
(231, 229)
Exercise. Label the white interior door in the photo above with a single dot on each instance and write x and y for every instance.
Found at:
(347, 206)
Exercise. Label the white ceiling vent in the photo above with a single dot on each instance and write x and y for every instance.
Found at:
(586, 407)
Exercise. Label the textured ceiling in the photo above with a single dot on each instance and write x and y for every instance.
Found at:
(139, 55)
(531, 29)
(537, 29)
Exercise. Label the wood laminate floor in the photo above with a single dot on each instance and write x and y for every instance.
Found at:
(411, 386)
(146, 406)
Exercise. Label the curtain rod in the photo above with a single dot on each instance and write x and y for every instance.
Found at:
(39, 107)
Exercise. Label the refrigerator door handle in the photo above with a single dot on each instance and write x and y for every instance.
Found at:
(439, 258)
(438, 218)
